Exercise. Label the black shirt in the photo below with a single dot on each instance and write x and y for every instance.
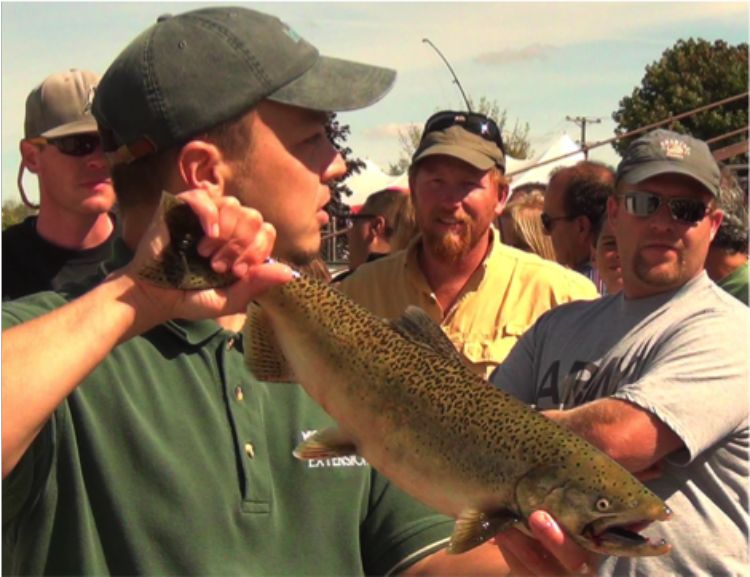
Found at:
(32, 264)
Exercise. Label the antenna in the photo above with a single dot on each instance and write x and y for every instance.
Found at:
(455, 78)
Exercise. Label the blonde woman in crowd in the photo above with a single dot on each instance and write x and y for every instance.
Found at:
(521, 226)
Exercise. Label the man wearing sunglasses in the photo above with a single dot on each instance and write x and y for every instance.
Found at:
(74, 230)
(573, 206)
(483, 293)
(656, 376)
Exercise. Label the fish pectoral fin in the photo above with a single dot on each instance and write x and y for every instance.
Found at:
(417, 326)
(325, 444)
(262, 353)
(474, 527)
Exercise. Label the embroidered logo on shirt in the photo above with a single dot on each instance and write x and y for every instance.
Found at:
(330, 462)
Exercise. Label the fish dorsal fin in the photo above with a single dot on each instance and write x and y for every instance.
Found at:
(262, 353)
(416, 325)
(474, 527)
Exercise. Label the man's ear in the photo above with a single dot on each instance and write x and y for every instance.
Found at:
(377, 226)
(29, 155)
(503, 190)
(584, 226)
(202, 166)
(717, 217)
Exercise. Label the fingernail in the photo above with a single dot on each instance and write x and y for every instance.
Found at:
(240, 269)
(215, 230)
(583, 569)
(544, 520)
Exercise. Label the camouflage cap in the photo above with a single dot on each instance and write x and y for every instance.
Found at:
(190, 72)
(61, 105)
(665, 152)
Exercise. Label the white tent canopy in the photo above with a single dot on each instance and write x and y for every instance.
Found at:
(369, 179)
(372, 178)
(560, 146)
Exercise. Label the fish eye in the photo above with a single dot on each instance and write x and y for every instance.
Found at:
(602, 504)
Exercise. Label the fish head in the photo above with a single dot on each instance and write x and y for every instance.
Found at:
(603, 513)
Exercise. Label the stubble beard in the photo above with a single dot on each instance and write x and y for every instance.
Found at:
(663, 276)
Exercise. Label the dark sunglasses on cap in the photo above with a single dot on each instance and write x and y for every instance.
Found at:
(643, 204)
(473, 122)
(73, 144)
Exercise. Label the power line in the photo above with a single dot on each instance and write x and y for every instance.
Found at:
(581, 121)
(639, 130)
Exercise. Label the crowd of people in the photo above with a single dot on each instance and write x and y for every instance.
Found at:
(136, 441)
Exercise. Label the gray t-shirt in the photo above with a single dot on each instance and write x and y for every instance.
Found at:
(682, 356)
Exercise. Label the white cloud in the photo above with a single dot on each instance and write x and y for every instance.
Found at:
(387, 131)
(500, 57)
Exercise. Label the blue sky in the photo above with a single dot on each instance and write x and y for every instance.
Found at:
(540, 61)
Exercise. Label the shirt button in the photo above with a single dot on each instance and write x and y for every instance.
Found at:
(249, 450)
(239, 393)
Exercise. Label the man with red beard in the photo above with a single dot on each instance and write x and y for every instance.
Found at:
(482, 293)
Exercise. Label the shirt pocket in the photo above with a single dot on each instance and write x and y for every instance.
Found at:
(483, 352)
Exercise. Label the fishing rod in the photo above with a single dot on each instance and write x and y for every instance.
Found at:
(455, 78)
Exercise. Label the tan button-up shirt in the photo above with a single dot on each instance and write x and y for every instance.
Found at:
(502, 299)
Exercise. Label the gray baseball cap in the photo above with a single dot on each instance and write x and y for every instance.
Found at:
(61, 105)
(665, 152)
(190, 72)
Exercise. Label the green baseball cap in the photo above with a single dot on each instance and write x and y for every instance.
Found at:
(665, 152)
(190, 72)
(61, 105)
(459, 143)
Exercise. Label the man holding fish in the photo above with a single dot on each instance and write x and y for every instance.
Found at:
(656, 376)
(133, 439)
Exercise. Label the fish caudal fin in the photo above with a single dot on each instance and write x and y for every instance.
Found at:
(474, 527)
(325, 444)
(262, 353)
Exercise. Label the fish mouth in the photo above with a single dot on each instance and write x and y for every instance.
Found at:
(623, 539)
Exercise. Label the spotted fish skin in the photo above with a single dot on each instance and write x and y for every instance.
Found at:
(405, 401)
(180, 265)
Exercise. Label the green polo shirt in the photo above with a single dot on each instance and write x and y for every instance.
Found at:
(735, 283)
(171, 459)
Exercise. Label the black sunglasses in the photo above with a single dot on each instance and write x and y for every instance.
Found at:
(73, 144)
(643, 204)
(548, 221)
(473, 122)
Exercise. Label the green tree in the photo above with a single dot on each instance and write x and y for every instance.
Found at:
(338, 134)
(516, 140)
(691, 74)
(14, 212)
(335, 247)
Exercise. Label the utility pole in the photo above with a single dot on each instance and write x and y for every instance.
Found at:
(581, 121)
